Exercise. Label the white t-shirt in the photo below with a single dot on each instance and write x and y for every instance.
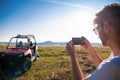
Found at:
(109, 69)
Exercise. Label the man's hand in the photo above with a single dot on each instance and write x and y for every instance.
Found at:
(86, 44)
(70, 48)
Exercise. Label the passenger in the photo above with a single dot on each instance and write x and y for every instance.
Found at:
(20, 44)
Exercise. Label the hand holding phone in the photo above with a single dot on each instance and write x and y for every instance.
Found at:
(78, 40)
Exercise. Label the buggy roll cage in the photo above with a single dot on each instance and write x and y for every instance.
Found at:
(23, 36)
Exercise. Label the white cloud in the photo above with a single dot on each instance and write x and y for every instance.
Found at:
(71, 4)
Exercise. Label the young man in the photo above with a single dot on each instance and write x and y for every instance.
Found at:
(107, 27)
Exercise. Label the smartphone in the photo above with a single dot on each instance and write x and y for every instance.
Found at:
(78, 40)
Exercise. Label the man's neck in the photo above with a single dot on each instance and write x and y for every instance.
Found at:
(115, 49)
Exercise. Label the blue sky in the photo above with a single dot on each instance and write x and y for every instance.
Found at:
(55, 20)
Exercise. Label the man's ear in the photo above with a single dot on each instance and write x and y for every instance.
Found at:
(107, 27)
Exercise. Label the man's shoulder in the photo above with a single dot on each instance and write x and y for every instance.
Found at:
(116, 61)
(110, 68)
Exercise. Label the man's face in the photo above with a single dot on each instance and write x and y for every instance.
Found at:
(100, 31)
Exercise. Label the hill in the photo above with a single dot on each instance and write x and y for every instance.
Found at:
(51, 43)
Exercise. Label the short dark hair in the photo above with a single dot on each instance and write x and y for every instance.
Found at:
(110, 13)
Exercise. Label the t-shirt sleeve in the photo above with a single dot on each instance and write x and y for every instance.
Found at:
(107, 71)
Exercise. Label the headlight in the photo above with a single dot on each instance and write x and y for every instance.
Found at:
(2, 54)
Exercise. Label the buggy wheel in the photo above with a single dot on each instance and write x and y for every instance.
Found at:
(26, 65)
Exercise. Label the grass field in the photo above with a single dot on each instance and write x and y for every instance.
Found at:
(54, 63)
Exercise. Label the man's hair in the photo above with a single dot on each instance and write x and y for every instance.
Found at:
(111, 14)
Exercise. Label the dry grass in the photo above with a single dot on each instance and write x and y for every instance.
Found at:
(54, 63)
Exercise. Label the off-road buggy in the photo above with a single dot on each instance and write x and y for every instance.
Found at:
(17, 58)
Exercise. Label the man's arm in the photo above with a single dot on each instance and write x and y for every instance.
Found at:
(96, 59)
(77, 73)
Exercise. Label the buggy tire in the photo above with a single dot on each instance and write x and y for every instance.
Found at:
(26, 65)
